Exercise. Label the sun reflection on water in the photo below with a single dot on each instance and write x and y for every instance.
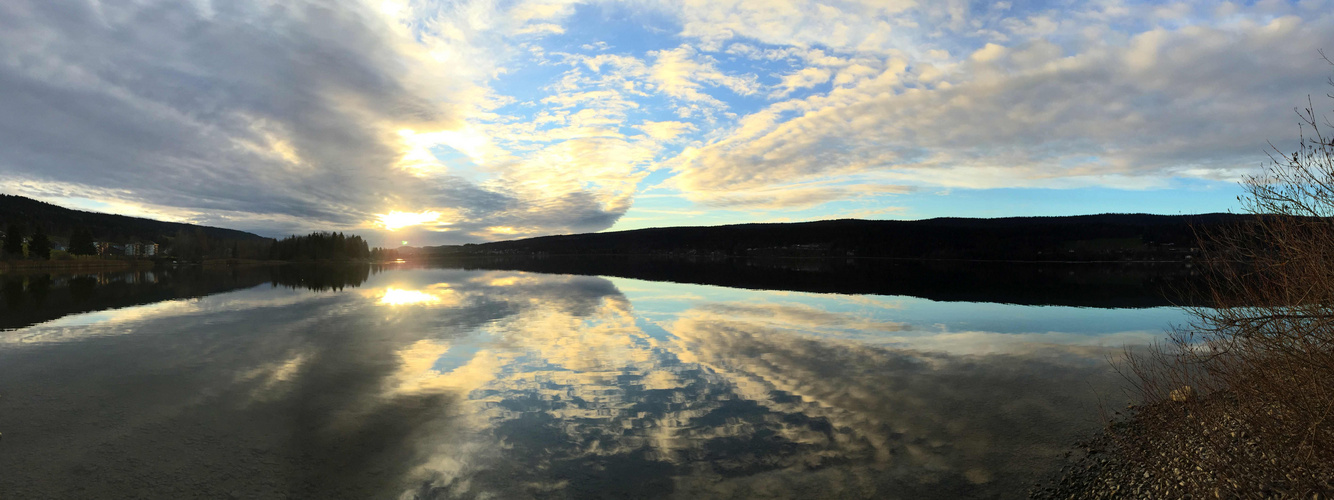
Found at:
(398, 297)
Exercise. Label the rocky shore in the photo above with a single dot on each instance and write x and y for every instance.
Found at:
(1184, 449)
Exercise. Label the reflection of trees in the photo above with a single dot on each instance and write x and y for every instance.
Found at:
(14, 295)
(35, 298)
(320, 277)
(82, 288)
(1092, 285)
(38, 288)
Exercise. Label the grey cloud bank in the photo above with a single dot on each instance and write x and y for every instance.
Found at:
(276, 117)
(182, 106)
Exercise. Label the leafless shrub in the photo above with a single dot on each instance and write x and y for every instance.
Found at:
(1239, 403)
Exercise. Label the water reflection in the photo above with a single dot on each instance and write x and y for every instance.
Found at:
(31, 298)
(396, 297)
(1103, 284)
(449, 383)
(321, 277)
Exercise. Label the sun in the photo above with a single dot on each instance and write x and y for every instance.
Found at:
(395, 220)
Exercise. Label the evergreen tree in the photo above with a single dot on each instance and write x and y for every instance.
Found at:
(320, 246)
(40, 246)
(14, 240)
(81, 242)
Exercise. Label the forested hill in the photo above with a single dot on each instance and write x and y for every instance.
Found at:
(59, 222)
(1085, 237)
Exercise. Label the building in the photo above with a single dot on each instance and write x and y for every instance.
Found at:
(138, 249)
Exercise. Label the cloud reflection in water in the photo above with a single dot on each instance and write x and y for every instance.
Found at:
(763, 394)
(551, 386)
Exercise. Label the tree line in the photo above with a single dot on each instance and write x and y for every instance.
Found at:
(194, 244)
(320, 246)
(17, 244)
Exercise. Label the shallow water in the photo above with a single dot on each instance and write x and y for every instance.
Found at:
(452, 383)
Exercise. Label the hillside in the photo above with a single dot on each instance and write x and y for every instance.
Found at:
(1080, 238)
(59, 222)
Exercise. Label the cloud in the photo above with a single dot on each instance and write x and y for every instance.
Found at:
(867, 24)
(539, 117)
(270, 118)
(665, 130)
(805, 78)
(1161, 105)
(794, 195)
(682, 74)
(236, 108)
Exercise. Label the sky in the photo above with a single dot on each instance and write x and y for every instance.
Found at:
(437, 122)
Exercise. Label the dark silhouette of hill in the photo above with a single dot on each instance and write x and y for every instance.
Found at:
(61, 222)
(1114, 237)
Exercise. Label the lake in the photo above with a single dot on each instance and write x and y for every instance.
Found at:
(466, 382)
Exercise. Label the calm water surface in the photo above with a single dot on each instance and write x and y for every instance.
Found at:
(451, 383)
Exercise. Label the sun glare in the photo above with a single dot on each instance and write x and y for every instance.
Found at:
(396, 220)
(397, 297)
